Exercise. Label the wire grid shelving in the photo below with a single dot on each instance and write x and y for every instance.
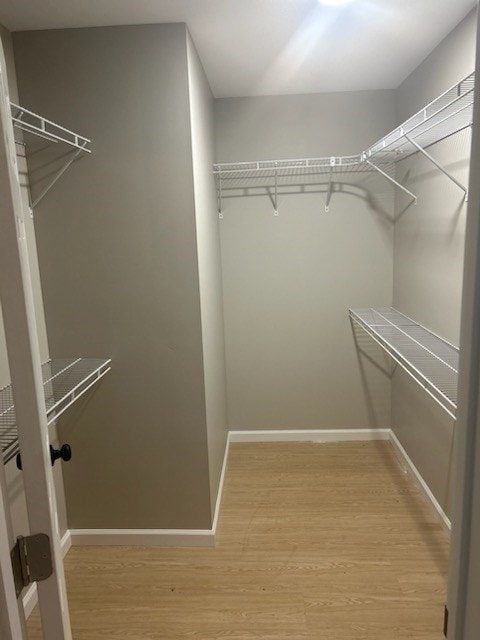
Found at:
(448, 114)
(65, 380)
(431, 361)
(26, 121)
(31, 122)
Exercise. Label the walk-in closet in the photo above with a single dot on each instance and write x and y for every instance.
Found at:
(240, 336)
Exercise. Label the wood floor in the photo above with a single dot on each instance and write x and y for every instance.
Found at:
(315, 541)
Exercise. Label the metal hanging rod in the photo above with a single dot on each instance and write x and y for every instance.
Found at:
(445, 116)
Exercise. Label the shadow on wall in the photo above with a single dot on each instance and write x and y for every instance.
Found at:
(338, 188)
(434, 537)
(46, 164)
(368, 351)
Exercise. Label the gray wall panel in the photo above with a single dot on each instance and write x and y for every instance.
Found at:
(428, 255)
(209, 265)
(117, 245)
(289, 280)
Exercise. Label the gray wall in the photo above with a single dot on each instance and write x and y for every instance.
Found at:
(117, 247)
(428, 255)
(14, 477)
(289, 280)
(209, 264)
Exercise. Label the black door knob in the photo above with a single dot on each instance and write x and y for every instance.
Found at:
(64, 453)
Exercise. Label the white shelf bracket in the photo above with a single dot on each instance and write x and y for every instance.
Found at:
(275, 201)
(392, 180)
(438, 165)
(219, 196)
(330, 185)
(56, 178)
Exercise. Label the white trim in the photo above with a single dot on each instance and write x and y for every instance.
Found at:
(218, 503)
(144, 537)
(157, 537)
(310, 435)
(423, 486)
(206, 537)
(30, 597)
(66, 543)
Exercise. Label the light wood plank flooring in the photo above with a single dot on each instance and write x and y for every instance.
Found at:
(315, 541)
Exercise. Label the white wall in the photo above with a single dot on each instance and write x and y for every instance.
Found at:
(428, 254)
(288, 281)
(209, 265)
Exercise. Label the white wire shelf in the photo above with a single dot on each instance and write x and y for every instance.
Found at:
(65, 380)
(31, 122)
(298, 166)
(448, 114)
(428, 359)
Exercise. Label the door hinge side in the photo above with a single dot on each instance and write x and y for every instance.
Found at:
(445, 622)
(31, 560)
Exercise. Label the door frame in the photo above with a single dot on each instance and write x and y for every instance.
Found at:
(464, 568)
(12, 615)
(26, 375)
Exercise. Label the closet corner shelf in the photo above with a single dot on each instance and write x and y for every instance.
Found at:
(448, 114)
(64, 382)
(428, 359)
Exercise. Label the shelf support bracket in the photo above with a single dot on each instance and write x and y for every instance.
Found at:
(330, 186)
(392, 180)
(57, 177)
(438, 165)
(219, 196)
(275, 201)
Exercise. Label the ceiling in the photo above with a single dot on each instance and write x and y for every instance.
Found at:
(270, 47)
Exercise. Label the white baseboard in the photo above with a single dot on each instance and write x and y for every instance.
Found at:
(422, 485)
(206, 537)
(30, 597)
(144, 537)
(218, 502)
(310, 435)
(156, 537)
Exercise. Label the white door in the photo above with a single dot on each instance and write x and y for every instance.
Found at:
(25, 370)
(464, 578)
